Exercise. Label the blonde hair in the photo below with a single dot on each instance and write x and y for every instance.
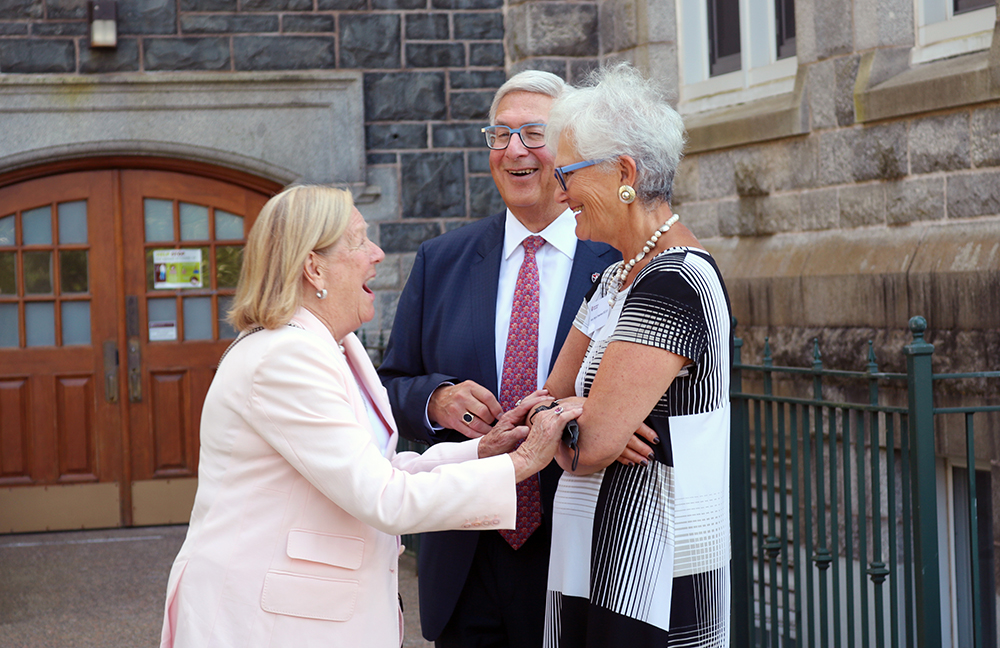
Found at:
(292, 224)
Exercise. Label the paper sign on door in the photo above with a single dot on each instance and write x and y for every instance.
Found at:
(176, 269)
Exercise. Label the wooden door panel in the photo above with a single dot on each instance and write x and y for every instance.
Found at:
(74, 422)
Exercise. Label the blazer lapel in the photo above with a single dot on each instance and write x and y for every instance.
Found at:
(359, 359)
(484, 273)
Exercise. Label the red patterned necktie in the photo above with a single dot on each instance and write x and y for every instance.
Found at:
(520, 378)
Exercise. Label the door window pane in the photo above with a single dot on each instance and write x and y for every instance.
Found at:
(8, 273)
(73, 222)
(40, 324)
(228, 226)
(75, 323)
(226, 331)
(36, 226)
(73, 271)
(159, 219)
(38, 273)
(197, 318)
(8, 326)
(7, 231)
(228, 259)
(194, 222)
(162, 318)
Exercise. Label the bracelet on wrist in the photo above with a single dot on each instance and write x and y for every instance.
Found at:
(539, 408)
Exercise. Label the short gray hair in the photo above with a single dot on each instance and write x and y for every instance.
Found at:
(536, 81)
(623, 113)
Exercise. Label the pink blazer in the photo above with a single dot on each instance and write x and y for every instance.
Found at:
(293, 539)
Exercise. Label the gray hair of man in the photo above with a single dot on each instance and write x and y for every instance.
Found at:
(536, 81)
(620, 113)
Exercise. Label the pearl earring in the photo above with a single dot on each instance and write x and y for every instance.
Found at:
(321, 294)
(626, 194)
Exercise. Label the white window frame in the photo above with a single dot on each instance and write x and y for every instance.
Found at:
(761, 74)
(941, 34)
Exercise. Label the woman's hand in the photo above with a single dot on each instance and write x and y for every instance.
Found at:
(638, 449)
(540, 447)
(510, 429)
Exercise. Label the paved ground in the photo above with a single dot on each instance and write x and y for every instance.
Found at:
(105, 589)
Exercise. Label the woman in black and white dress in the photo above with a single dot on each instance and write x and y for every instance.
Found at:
(640, 546)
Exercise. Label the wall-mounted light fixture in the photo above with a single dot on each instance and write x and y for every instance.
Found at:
(103, 18)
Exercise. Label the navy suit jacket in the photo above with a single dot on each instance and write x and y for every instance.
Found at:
(444, 331)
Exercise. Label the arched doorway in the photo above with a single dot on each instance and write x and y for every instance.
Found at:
(115, 276)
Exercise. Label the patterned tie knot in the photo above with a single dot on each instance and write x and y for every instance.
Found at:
(532, 244)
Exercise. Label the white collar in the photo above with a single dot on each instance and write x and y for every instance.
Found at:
(560, 233)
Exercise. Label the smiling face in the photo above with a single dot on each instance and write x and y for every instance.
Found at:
(524, 176)
(592, 194)
(346, 268)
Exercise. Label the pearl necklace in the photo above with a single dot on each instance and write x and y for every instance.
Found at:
(627, 267)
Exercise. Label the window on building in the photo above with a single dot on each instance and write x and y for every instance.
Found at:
(735, 50)
(966, 565)
(947, 28)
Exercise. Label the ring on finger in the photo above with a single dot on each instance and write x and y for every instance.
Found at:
(468, 418)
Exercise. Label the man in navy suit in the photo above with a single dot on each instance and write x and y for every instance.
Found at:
(444, 361)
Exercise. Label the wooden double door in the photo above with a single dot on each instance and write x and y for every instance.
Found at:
(114, 285)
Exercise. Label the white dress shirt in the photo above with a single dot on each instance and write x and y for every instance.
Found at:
(555, 262)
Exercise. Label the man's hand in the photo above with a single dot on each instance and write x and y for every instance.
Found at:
(450, 403)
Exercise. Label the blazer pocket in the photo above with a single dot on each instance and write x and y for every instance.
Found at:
(336, 550)
(309, 597)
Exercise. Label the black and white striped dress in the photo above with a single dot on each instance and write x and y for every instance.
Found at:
(640, 555)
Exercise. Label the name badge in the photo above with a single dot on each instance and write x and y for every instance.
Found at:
(598, 316)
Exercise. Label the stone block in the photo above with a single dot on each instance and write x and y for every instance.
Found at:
(21, 9)
(862, 205)
(836, 156)
(385, 309)
(65, 9)
(974, 194)
(467, 4)
(479, 160)
(701, 218)
(619, 25)
(296, 23)
(341, 5)
(484, 199)
(37, 56)
(13, 29)
(486, 54)
(882, 23)
(478, 26)
(147, 17)
(450, 135)
(124, 58)
(821, 94)
(370, 41)
(832, 31)
(553, 29)
(381, 158)
(801, 160)
(386, 274)
(845, 70)
(427, 26)
(819, 209)
(404, 96)
(284, 52)
(395, 136)
(880, 153)
(163, 54)
(940, 143)
(985, 137)
(398, 4)
(386, 206)
(580, 69)
(914, 199)
(555, 66)
(275, 5)
(423, 55)
(433, 185)
(730, 218)
(471, 105)
(59, 29)
(781, 213)
(406, 237)
(235, 24)
(716, 177)
(685, 187)
(476, 80)
(209, 5)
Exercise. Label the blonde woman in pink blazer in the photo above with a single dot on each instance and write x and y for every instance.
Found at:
(293, 539)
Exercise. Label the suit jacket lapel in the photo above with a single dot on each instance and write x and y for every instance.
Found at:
(484, 273)
(363, 364)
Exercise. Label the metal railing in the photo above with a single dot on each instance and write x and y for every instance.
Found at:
(835, 504)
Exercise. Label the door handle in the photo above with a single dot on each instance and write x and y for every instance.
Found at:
(134, 353)
(110, 371)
